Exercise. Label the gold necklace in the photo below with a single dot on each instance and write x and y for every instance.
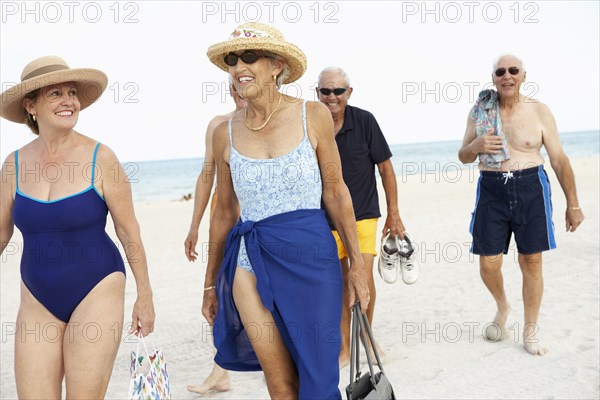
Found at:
(268, 118)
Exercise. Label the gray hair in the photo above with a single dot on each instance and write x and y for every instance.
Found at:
(336, 70)
(507, 55)
(285, 72)
(283, 75)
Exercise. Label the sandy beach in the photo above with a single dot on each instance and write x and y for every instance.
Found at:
(431, 332)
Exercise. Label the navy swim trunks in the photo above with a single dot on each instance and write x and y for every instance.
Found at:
(512, 202)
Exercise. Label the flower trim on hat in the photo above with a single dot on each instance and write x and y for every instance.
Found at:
(248, 33)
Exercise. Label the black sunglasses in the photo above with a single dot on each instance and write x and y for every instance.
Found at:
(336, 91)
(248, 57)
(511, 70)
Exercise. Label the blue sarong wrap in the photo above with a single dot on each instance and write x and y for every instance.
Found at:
(298, 279)
(486, 114)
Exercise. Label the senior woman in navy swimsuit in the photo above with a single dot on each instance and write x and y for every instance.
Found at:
(274, 289)
(58, 190)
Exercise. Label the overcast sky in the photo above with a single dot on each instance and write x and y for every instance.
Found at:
(416, 66)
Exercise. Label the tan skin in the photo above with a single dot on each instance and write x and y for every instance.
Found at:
(528, 125)
(218, 380)
(393, 222)
(271, 142)
(41, 365)
(206, 179)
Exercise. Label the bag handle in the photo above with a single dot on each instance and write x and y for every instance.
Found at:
(354, 350)
(361, 328)
(369, 333)
(137, 350)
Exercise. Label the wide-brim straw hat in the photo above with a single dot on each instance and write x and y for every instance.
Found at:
(257, 36)
(46, 71)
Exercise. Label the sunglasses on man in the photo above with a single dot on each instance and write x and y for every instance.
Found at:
(511, 70)
(336, 91)
(248, 57)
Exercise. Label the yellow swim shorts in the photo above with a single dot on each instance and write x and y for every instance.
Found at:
(367, 237)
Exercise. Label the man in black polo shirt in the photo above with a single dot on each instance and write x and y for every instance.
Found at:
(362, 146)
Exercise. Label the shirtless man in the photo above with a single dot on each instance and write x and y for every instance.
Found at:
(516, 197)
(218, 380)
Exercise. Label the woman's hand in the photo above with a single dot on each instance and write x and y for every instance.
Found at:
(210, 305)
(358, 289)
(190, 245)
(142, 317)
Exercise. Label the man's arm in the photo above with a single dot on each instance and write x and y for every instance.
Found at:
(393, 222)
(562, 167)
(472, 145)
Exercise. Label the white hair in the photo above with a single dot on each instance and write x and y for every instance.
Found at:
(336, 70)
(283, 75)
(285, 72)
(507, 55)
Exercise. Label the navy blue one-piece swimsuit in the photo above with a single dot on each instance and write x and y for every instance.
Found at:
(66, 250)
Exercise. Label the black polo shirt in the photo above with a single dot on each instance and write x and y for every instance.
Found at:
(362, 146)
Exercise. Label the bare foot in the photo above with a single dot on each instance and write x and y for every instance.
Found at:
(218, 381)
(496, 331)
(535, 348)
(531, 343)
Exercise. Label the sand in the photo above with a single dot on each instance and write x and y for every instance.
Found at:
(431, 331)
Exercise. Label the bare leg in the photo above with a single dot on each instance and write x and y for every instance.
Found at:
(533, 289)
(491, 274)
(92, 339)
(38, 350)
(274, 357)
(218, 381)
(346, 317)
(369, 261)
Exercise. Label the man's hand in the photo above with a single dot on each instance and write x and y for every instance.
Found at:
(573, 218)
(488, 143)
(394, 225)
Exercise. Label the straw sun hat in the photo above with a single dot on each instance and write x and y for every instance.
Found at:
(46, 71)
(257, 36)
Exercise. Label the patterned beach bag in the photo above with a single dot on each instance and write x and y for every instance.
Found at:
(153, 385)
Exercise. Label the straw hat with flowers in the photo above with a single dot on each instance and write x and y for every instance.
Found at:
(258, 36)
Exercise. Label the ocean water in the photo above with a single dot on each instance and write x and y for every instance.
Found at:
(172, 179)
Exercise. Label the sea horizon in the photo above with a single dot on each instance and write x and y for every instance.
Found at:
(587, 131)
(167, 180)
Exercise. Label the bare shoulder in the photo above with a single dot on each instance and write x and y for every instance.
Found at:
(318, 115)
(221, 134)
(216, 121)
(30, 147)
(106, 155)
(9, 173)
(537, 106)
(542, 111)
(317, 109)
(10, 159)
